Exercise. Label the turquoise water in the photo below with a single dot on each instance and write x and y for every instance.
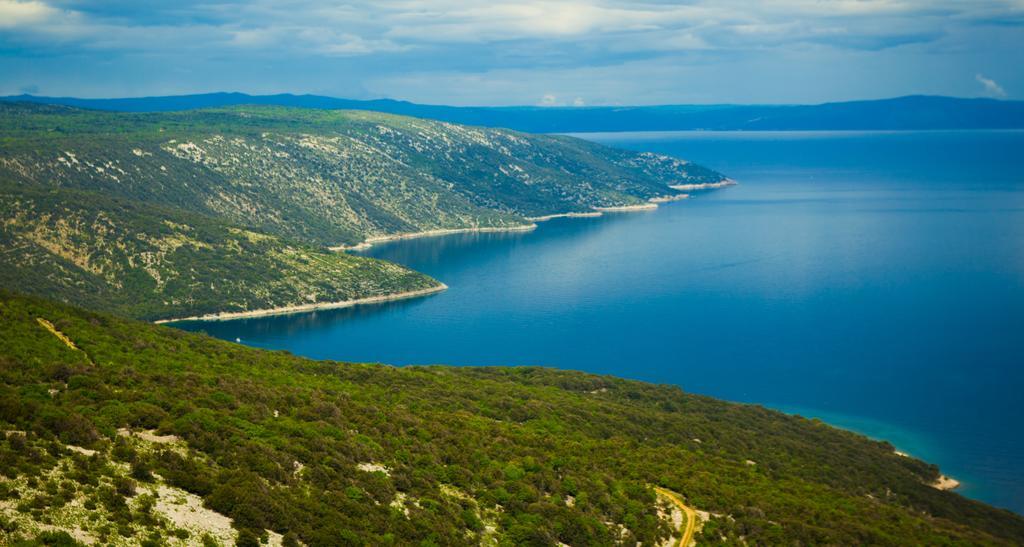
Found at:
(874, 280)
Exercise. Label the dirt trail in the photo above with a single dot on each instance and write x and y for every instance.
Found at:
(691, 515)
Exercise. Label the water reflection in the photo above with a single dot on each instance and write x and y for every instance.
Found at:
(278, 326)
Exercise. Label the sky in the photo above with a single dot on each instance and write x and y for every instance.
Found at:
(564, 53)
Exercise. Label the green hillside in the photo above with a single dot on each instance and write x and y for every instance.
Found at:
(157, 262)
(120, 432)
(171, 215)
(328, 177)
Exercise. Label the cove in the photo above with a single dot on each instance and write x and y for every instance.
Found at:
(872, 279)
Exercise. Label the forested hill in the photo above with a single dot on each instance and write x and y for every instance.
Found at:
(188, 213)
(900, 113)
(115, 429)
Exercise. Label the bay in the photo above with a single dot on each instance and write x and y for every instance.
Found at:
(871, 279)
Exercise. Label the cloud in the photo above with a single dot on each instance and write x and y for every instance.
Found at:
(505, 21)
(386, 45)
(550, 99)
(992, 89)
(351, 44)
(599, 25)
(16, 14)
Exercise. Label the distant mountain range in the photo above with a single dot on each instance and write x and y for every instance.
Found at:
(902, 113)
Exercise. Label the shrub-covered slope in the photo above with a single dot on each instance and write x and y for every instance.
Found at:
(328, 177)
(328, 453)
(171, 215)
(157, 262)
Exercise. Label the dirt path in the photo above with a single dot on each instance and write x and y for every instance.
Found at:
(691, 515)
(62, 337)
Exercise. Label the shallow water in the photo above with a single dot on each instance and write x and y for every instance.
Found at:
(874, 280)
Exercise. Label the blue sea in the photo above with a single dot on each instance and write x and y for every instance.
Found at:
(871, 279)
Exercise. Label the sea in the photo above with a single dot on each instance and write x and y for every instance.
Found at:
(874, 280)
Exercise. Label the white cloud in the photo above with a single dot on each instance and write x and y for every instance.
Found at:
(255, 37)
(350, 44)
(623, 26)
(16, 14)
(992, 89)
(609, 51)
(551, 99)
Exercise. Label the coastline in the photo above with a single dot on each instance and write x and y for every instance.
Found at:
(652, 203)
(302, 308)
(944, 482)
(649, 206)
(598, 211)
(368, 242)
(585, 214)
(704, 185)
(877, 431)
(667, 199)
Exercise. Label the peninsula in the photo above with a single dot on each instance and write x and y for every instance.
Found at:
(236, 211)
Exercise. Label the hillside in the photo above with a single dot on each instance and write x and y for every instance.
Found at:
(154, 262)
(116, 428)
(329, 177)
(170, 215)
(900, 113)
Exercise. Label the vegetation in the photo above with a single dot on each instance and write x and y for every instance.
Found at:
(328, 177)
(160, 216)
(101, 433)
(156, 262)
(126, 433)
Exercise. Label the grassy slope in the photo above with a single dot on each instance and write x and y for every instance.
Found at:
(465, 447)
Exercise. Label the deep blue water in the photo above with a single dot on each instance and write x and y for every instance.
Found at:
(875, 280)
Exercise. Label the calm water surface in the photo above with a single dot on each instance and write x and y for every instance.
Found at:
(875, 280)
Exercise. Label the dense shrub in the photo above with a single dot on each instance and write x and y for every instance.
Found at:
(534, 456)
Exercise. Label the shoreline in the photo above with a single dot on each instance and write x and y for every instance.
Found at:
(850, 423)
(669, 199)
(649, 206)
(368, 242)
(584, 214)
(303, 308)
(651, 203)
(704, 185)
(944, 482)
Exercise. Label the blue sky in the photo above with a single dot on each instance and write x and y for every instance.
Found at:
(584, 52)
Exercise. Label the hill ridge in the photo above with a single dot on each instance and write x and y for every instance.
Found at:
(905, 112)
